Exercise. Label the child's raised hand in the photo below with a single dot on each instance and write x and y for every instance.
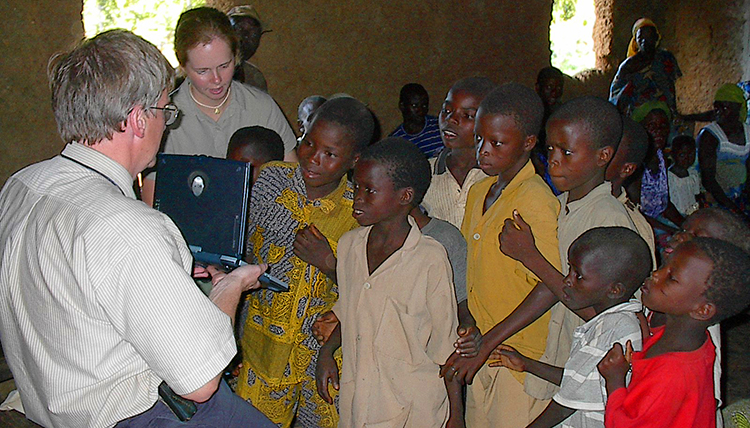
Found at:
(469, 340)
(507, 356)
(323, 326)
(614, 367)
(326, 373)
(312, 247)
(517, 239)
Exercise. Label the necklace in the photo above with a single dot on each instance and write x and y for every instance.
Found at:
(216, 108)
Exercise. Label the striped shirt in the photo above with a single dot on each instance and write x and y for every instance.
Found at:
(428, 139)
(96, 303)
(582, 388)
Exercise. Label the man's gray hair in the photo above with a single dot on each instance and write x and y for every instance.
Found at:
(96, 84)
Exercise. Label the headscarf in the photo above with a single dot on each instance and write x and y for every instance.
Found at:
(643, 22)
(640, 112)
(733, 94)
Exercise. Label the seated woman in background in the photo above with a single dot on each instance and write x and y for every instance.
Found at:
(212, 105)
(723, 149)
(648, 74)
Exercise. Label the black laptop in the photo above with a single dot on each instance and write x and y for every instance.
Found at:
(207, 198)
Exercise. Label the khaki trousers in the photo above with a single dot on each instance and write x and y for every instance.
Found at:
(497, 399)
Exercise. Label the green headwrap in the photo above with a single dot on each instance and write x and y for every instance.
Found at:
(733, 94)
(644, 109)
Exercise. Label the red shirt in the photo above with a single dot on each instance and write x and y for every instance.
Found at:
(675, 389)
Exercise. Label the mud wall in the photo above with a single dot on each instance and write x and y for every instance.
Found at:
(370, 49)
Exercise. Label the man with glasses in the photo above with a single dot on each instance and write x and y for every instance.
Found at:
(97, 304)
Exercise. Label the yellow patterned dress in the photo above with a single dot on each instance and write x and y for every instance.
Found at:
(279, 353)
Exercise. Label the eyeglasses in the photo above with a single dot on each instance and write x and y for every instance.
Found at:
(171, 112)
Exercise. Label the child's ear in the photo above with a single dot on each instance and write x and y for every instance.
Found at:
(628, 169)
(704, 312)
(529, 143)
(616, 291)
(407, 196)
(355, 160)
(605, 155)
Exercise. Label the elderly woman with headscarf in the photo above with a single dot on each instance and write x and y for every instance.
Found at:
(648, 74)
(723, 149)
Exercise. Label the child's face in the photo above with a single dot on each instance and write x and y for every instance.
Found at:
(414, 107)
(678, 286)
(550, 91)
(696, 225)
(457, 119)
(573, 160)
(684, 156)
(502, 147)
(375, 195)
(584, 285)
(243, 154)
(325, 155)
(656, 124)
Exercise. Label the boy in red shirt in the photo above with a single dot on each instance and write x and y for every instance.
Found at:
(704, 282)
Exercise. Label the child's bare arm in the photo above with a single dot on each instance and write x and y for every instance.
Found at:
(517, 242)
(456, 403)
(551, 416)
(469, 337)
(538, 301)
(326, 370)
(509, 357)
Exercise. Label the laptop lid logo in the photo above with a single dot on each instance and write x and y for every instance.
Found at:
(197, 184)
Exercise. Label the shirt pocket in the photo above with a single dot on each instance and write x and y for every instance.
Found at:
(398, 335)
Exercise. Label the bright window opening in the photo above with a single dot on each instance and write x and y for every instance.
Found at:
(154, 20)
(571, 35)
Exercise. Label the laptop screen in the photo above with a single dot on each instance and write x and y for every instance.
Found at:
(207, 198)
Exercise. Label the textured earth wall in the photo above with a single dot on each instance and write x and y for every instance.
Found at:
(369, 49)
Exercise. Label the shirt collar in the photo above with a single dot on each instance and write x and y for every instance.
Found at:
(631, 306)
(602, 189)
(327, 203)
(102, 164)
(524, 174)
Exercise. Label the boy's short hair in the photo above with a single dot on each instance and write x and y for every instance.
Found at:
(637, 141)
(519, 102)
(548, 73)
(599, 117)
(406, 164)
(350, 114)
(733, 228)
(264, 143)
(681, 141)
(627, 256)
(411, 89)
(729, 280)
(477, 86)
